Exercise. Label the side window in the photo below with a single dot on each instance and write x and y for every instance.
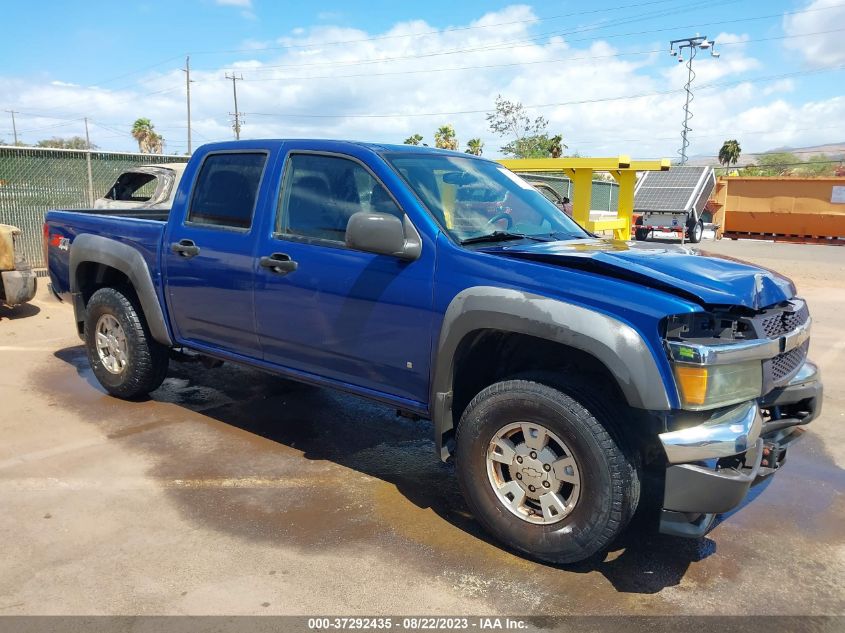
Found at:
(226, 189)
(321, 193)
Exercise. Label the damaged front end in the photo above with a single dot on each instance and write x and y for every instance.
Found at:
(747, 388)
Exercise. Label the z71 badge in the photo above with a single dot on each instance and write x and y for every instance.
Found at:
(62, 243)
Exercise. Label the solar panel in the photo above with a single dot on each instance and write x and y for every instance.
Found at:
(676, 190)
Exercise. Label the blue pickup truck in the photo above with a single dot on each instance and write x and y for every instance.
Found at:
(558, 369)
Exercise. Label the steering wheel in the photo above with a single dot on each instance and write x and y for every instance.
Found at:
(501, 216)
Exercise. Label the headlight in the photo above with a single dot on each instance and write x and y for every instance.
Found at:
(714, 358)
(711, 386)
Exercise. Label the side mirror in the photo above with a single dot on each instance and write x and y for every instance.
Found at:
(384, 234)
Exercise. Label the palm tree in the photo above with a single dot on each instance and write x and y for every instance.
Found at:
(556, 146)
(475, 146)
(729, 154)
(445, 137)
(149, 141)
(416, 139)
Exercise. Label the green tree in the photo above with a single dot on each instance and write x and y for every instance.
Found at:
(149, 141)
(416, 139)
(729, 153)
(73, 142)
(528, 137)
(774, 164)
(475, 146)
(817, 165)
(445, 137)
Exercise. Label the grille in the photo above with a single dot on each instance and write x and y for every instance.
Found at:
(783, 366)
(783, 322)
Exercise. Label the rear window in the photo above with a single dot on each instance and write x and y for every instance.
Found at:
(133, 186)
(226, 189)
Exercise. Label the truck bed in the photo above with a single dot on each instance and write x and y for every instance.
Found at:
(141, 229)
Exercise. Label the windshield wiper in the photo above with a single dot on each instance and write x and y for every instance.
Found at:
(570, 236)
(501, 236)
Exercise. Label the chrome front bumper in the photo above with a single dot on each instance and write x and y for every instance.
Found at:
(724, 434)
(745, 445)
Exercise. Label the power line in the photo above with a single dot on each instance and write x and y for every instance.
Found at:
(521, 43)
(737, 133)
(495, 47)
(434, 32)
(526, 42)
(49, 127)
(544, 105)
(774, 165)
(513, 64)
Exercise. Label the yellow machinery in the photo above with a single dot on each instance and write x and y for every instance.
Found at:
(580, 171)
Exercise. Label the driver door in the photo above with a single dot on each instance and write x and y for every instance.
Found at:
(357, 318)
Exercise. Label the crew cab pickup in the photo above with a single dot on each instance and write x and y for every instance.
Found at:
(558, 369)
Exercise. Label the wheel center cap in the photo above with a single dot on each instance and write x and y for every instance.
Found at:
(530, 472)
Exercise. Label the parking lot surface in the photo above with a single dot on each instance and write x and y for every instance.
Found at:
(230, 491)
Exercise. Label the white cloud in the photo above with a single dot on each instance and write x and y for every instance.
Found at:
(823, 46)
(405, 73)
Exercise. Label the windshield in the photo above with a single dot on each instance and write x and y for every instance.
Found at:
(472, 198)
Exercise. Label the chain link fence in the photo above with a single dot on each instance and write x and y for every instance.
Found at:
(604, 197)
(35, 180)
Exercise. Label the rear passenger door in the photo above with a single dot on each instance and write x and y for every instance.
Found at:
(209, 258)
(355, 317)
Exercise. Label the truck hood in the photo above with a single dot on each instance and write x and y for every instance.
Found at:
(705, 278)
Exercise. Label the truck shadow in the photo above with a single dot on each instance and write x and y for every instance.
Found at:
(328, 426)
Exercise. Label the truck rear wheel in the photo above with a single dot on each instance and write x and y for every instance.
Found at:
(542, 473)
(124, 357)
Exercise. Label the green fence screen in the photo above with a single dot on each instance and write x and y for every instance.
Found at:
(34, 180)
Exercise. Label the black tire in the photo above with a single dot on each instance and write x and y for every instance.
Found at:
(694, 231)
(147, 360)
(610, 483)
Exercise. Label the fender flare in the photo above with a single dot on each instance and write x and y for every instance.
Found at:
(102, 250)
(615, 344)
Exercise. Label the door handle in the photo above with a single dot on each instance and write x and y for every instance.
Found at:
(279, 263)
(185, 248)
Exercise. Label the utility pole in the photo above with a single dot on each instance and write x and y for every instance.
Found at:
(14, 126)
(187, 71)
(692, 44)
(88, 164)
(236, 125)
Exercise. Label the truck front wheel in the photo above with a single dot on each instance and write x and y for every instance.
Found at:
(124, 357)
(542, 473)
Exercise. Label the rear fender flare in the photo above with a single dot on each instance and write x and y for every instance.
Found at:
(126, 259)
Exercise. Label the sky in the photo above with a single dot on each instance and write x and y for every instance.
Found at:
(382, 70)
